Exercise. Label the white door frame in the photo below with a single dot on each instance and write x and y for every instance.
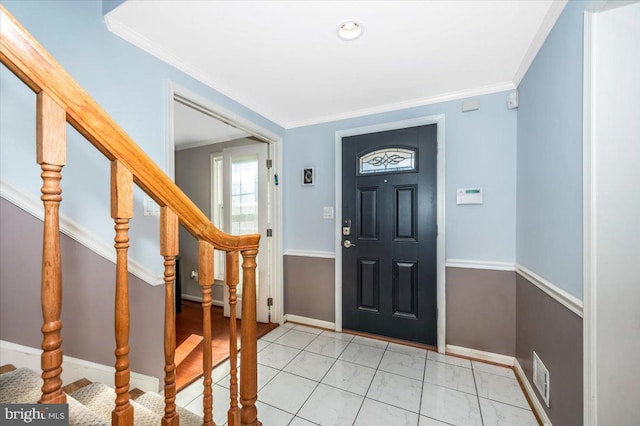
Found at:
(275, 141)
(440, 246)
(590, 241)
(588, 234)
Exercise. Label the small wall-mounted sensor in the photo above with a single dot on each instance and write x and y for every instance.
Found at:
(469, 196)
(512, 99)
(471, 105)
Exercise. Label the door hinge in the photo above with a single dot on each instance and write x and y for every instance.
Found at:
(269, 163)
(270, 301)
(269, 232)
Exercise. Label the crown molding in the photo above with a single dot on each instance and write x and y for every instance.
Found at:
(549, 20)
(452, 96)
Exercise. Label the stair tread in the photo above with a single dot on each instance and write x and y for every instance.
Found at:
(155, 403)
(100, 399)
(79, 415)
(23, 386)
(72, 387)
(20, 386)
(90, 405)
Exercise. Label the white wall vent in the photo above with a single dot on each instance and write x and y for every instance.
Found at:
(541, 378)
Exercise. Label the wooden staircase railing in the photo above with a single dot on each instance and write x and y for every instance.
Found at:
(62, 100)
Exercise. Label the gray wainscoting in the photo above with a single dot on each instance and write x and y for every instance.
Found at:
(88, 298)
(546, 326)
(493, 311)
(309, 287)
(481, 310)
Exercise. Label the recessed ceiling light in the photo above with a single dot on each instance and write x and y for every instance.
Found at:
(350, 30)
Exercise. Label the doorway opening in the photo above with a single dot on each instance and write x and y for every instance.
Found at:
(228, 167)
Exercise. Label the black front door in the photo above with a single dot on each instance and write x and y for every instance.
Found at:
(389, 204)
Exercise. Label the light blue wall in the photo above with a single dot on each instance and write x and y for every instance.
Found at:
(480, 151)
(127, 82)
(549, 202)
(130, 85)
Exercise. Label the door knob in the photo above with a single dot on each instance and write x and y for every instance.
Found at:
(348, 244)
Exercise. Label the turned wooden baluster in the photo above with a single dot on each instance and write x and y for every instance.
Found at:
(122, 212)
(169, 250)
(249, 351)
(205, 279)
(51, 155)
(231, 277)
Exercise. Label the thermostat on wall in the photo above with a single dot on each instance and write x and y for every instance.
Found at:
(469, 196)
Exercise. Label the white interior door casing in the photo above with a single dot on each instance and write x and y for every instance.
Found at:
(612, 223)
(246, 211)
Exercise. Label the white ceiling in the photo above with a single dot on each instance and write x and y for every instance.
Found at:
(193, 128)
(284, 60)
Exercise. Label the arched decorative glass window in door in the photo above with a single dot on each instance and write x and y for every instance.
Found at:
(386, 160)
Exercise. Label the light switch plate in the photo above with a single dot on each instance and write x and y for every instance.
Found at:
(150, 207)
(327, 213)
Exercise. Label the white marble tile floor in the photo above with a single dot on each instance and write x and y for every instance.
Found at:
(309, 377)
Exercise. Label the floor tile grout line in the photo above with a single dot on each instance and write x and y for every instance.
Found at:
(448, 363)
(392, 405)
(364, 398)
(424, 374)
(450, 388)
(499, 375)
(505, 403)
(473, 373)
(379, 369)
(317, 382)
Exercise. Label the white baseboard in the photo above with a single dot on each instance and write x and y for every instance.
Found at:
(310, 321)
(537, 405)
(481, 355)
(73, 368)
(73, 230)
(199, 299)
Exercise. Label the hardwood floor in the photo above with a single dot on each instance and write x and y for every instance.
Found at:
(188, 331)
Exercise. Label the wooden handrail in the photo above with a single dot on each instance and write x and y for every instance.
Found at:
(28, 60)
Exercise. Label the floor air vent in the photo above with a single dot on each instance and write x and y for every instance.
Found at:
(541, 378)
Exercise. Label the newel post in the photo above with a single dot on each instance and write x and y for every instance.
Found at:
(122, 212)
(205, 279)
(249, 342)
(169, 250)
(51, 155)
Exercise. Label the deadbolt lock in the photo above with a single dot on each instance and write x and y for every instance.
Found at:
(346, 227)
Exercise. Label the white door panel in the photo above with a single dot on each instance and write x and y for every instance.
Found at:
(246, 212)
